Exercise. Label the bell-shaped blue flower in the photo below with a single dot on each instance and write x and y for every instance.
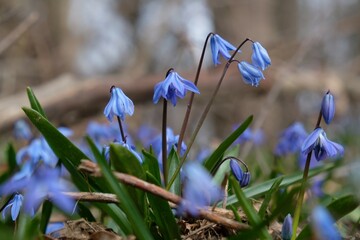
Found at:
(328, 107)
(260, 57)
(323, 224)
(286, 230)
(172, 87)
(14, 205)
(321, 145)
(199, 191)
(251, 74)
(220, 45)
(119, 105)
(242, 177)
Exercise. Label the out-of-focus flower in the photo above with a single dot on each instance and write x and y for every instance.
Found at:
(14, 205)
(321, 145)
(260, 57)
(172, 87)
(257, 137)
(328, 107)
(323, 224)
(22, 130)
(291, 140)
(53, 227)
(43, 183)
(286, 230)
(251, 74)
(199, 191)
(119, 105)
(220, 45)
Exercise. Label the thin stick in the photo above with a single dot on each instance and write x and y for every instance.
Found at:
(92, 169)
(18, 31)
(92, 197)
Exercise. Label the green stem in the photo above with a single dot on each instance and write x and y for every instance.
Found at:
(203, 116)
(299, 203)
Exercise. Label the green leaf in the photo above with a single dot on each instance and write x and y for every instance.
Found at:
(164, 217)
(212, 162)
(126, 203)
(173, 163)
(338, 209)
(268, 195)
(62, 147)
(34, 103)
(45, 215)
(248, 208)
(85, 212)
(261, 188)
(151, 165)
(11, 158)
(124, 161)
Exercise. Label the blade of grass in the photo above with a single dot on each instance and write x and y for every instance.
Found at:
(173, 163)
(45, 215)
(268, 195)
(34, 103)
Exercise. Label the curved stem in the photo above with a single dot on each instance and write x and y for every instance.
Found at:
(204, 114)
(121, 130)
(192, 95)
(228, 158)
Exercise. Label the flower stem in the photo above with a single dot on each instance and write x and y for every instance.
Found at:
(303, 187)
(192, 95)
(121, 130)
(204, 114)
(164, 142)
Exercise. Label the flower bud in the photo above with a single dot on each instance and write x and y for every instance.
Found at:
(328, 107)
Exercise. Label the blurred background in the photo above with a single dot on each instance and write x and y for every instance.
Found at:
(71, 52)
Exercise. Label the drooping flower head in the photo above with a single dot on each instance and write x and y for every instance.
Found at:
(220, 45)
(250, 73)
(172, 87)
(286, 230)
(242, 177)
(323, 224)
(328, 107)
(291, 140)
(199, 190)
(14, 206)
(260, 57)
(119, 105)
(321, 145)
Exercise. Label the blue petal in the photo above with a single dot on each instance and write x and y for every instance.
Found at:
(311, 140)
(214, 50)
(18, 199)
(260, 57)
(328, 107)
(236, 170)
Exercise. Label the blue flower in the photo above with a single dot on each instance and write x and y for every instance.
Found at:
(119, 105)
(44, 183)
(321, 145)
(286, 230)
(257, 137)
(291, 140)
(328, 107)
(22, 130)
(15, 205)
(251, 74)
(220, 45)
(172, 87)
(324, 225)
(242, 177)
(260, 57)
(199, 190)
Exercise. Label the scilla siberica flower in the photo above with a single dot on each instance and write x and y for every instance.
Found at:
(14, 205)
(199, 191)
(22, 130)
(220, 45)
(260, 57)
(286, 230)
(119, 105)
(291, 140)
(242, 177)
(321, 145)
(172, 87)
(323, 224)
(328, 107)
(250, 73)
